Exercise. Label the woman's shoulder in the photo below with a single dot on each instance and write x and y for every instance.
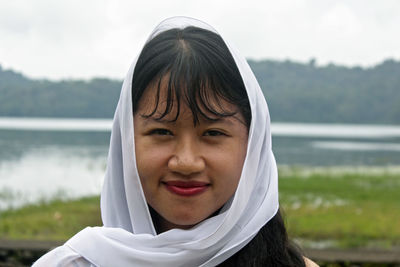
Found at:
(310, 263)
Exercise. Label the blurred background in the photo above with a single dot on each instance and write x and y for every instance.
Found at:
(330, 71)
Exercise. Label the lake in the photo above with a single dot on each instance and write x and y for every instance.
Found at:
(42, 159)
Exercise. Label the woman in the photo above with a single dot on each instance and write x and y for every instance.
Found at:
(191, 178)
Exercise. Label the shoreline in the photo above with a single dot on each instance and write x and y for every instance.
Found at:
(321, 210)
(7, 195)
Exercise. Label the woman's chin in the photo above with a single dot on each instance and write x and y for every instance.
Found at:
(179, 221)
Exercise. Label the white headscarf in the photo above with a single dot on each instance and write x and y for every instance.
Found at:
(128, 237)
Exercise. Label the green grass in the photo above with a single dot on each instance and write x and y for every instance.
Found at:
(57, 220)
(322, 208)
(348, 209)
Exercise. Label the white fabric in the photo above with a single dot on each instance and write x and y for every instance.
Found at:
(128, 237)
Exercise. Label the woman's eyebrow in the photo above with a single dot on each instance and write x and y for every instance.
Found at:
(229, 120)
(223, 120)
(147, 120)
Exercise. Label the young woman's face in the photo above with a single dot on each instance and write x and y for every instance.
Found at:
(187, 171)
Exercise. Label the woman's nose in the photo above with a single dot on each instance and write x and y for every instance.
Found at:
(186, 159)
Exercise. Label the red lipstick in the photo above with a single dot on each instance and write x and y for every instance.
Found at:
(186, 188)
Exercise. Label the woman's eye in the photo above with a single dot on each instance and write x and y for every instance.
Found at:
(213, 133)
(160, 132)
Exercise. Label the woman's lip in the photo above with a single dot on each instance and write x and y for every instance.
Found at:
(186, 188)
(186, 183)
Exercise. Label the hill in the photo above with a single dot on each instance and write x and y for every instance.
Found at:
(295, 93)
(306, 93)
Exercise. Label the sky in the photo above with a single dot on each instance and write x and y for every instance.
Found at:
(82, 39)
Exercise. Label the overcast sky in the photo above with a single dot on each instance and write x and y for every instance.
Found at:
(91, 38)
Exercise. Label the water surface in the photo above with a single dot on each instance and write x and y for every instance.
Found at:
(41, 158)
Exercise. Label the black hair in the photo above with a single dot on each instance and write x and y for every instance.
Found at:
(201, 71)
(270, 247)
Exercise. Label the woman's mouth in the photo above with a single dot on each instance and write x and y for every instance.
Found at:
(186, 188)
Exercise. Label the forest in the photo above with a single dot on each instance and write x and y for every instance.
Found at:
(295, 92)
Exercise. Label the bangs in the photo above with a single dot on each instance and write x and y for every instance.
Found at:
(194, 67)
(203, 95)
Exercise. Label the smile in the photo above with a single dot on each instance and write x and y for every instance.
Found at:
(186, 188)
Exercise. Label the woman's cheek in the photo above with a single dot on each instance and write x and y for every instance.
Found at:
(151, 160)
